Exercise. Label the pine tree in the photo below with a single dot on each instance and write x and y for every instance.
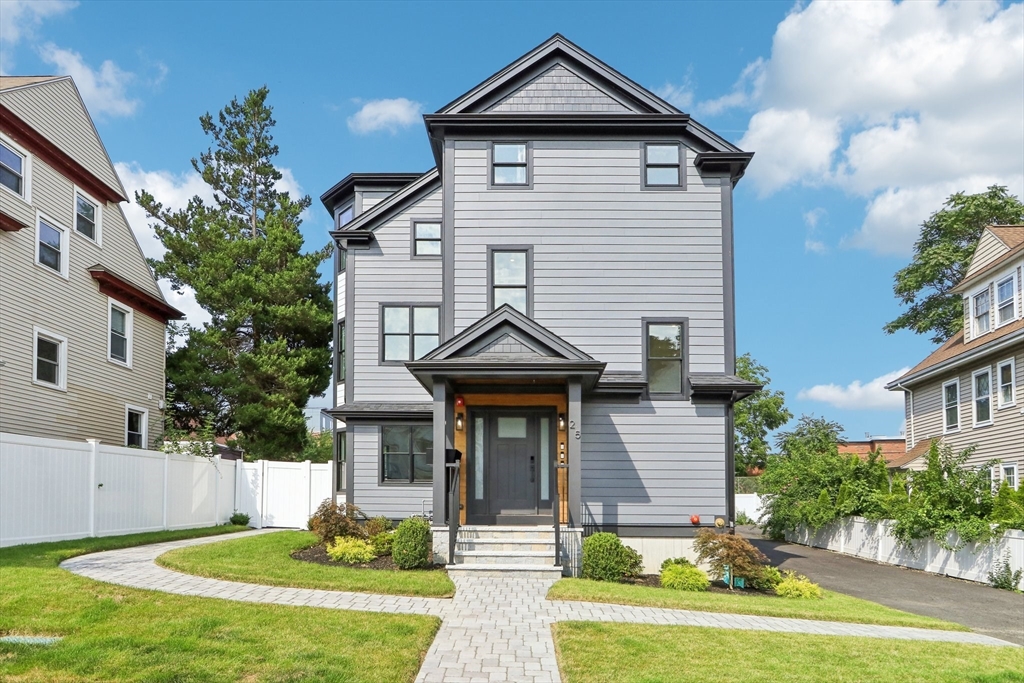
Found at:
(266, 350)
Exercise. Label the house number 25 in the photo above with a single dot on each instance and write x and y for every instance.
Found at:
(572, 427)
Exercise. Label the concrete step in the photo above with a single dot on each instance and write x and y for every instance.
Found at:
(511, 557)
(525, 571)
(506, 533)
(506, 545)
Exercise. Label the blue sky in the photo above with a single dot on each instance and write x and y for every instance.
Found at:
(863, 118)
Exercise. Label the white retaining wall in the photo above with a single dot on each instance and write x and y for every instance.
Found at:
(54, 490)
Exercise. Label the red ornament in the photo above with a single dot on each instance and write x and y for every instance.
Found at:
(694, 519)
(459, 401)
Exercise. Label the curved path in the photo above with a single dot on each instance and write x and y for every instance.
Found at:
(493, 629)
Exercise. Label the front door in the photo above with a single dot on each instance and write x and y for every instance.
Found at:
(510, 467)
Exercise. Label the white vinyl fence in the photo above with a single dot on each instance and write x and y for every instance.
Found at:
(750, 504)
(54, 490)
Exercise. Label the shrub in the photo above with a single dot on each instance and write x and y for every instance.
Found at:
(350, 550)
(239, 519)
(382, 542)
(719, 550)
(377, 525)
(411, 546)
(743, 520)
(332, 520)
(769, 579)
(681, 561)
(1002, 577)
(796, 586)
(684, 577)
(606, 559)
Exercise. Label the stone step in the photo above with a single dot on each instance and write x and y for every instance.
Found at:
(506, 532)
(525, 571)
(506, 544)
(493, 557)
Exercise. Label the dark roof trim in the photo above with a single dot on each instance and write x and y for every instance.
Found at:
(34, 142)
(710, 386)
(120, 289)
(354, 238)
(347, 185)
(733, 163)
(386, 210)
(542, 58)
(381, 411)
(10, 224)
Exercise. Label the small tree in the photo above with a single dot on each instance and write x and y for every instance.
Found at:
(736, 552)
(755, 416)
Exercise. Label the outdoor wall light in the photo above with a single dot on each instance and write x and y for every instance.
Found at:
(561, 448)
(561, 422)
(460, 422)
(460, 401)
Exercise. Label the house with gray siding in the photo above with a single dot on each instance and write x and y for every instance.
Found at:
(969, 392)
(82, 320)
(554, 302)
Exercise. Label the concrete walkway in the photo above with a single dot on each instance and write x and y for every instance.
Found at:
(494, 629)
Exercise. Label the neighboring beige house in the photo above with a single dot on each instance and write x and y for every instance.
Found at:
(970, 391)
(82, 320)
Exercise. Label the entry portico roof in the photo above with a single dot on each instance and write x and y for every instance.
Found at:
(506, 346)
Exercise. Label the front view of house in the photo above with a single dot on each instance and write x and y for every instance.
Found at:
(554, 300)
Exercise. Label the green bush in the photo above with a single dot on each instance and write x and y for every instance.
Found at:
(796, 586)
(1008, 507)
(719, 550)
(682, 561)
(683, 577)
(383, 542)
(350, 550)
(769, 579)
(743, 520)
(1002, 577)
(411, 546)
(377, 525)
(606, 559)
(332, 520)
(239, 519)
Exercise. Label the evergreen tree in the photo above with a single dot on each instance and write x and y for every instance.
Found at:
(755, 416)
(266, 350)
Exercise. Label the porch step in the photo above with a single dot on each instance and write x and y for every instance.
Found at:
(517, 545)
(521, 551)
(506, 533)
(504, 557)
(525, 571)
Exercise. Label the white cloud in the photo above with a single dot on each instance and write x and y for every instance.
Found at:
(811, 242)
(904, 104)
(102, 89)
(389, 115)
(20, 19)
(858, 396)
(680, 96)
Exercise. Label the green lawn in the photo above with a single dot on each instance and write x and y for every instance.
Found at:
(833, 607)
(638, 653)
(265, 559)
(113, 633)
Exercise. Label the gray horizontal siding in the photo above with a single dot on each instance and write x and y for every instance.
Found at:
(394, 501)
(653, 463)
(386, 273)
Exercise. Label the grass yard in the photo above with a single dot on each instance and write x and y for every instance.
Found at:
(833, 607)
(266, 560)
(113, 633)
(638, 653)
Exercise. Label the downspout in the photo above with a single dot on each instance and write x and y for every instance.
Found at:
(910, 422)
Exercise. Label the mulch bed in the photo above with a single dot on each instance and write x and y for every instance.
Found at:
(318, 555)
(653, 581)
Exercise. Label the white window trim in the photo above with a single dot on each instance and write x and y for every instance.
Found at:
(64, 250)
(959, 417)
(1013, 298)
(1012, 362)
(26, 174)
(129, 325)
(975, 397)
(991, 311)
(62, 369)
(145, 423)
(98, 240)
(1016, 473)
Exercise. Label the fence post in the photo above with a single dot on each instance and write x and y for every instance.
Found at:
(238, 485)
(167, 476)
(94, 447)
(262, 491)
(216, 489)
(308, 472)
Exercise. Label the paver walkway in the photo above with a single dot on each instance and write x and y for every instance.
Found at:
(494, 629)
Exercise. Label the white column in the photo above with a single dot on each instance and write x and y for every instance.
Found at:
(94, 447)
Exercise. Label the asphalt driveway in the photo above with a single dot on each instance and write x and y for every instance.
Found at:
(995, 613)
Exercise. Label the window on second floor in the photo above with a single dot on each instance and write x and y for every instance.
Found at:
(51, 246)
(982, 396)
(982, 319)
(662, 167)
(510, 163)
(1005, 302)
(1004, 376)
(120, 348)
(12, 169)
(339, 345)
(510, 279)
(87, 217)
(951, 405)
(665, 357)
(408, 332)
(426, 239)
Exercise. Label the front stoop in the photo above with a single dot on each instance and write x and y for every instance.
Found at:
(519, 551)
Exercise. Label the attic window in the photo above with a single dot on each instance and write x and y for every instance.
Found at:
(1004, 301)
(662, 167)
(981, 313)
(12, 173)
(509, 164)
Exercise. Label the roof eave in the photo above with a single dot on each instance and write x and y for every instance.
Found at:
(337, 194)
(955, 361)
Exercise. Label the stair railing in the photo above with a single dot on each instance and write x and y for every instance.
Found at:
(454, 505)
(556, 510)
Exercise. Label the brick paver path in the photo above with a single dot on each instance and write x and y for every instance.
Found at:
(494, 629)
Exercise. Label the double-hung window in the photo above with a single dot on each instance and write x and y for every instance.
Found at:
(982, 319)
(1004, 301)
(409, 332)
(51, 358)
(662, 166)
(951, 405)
(665, 357)
(51, 246)
(982, 385)
(510, 279)
(426, 239)
(87, 216)
(120, 320)
(346, 215)
(1005, 376)
(340, 447)
(407, 454)
(339, 343)
(510, 164)
(12, 169)
(1010, 475)
(135, 427)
